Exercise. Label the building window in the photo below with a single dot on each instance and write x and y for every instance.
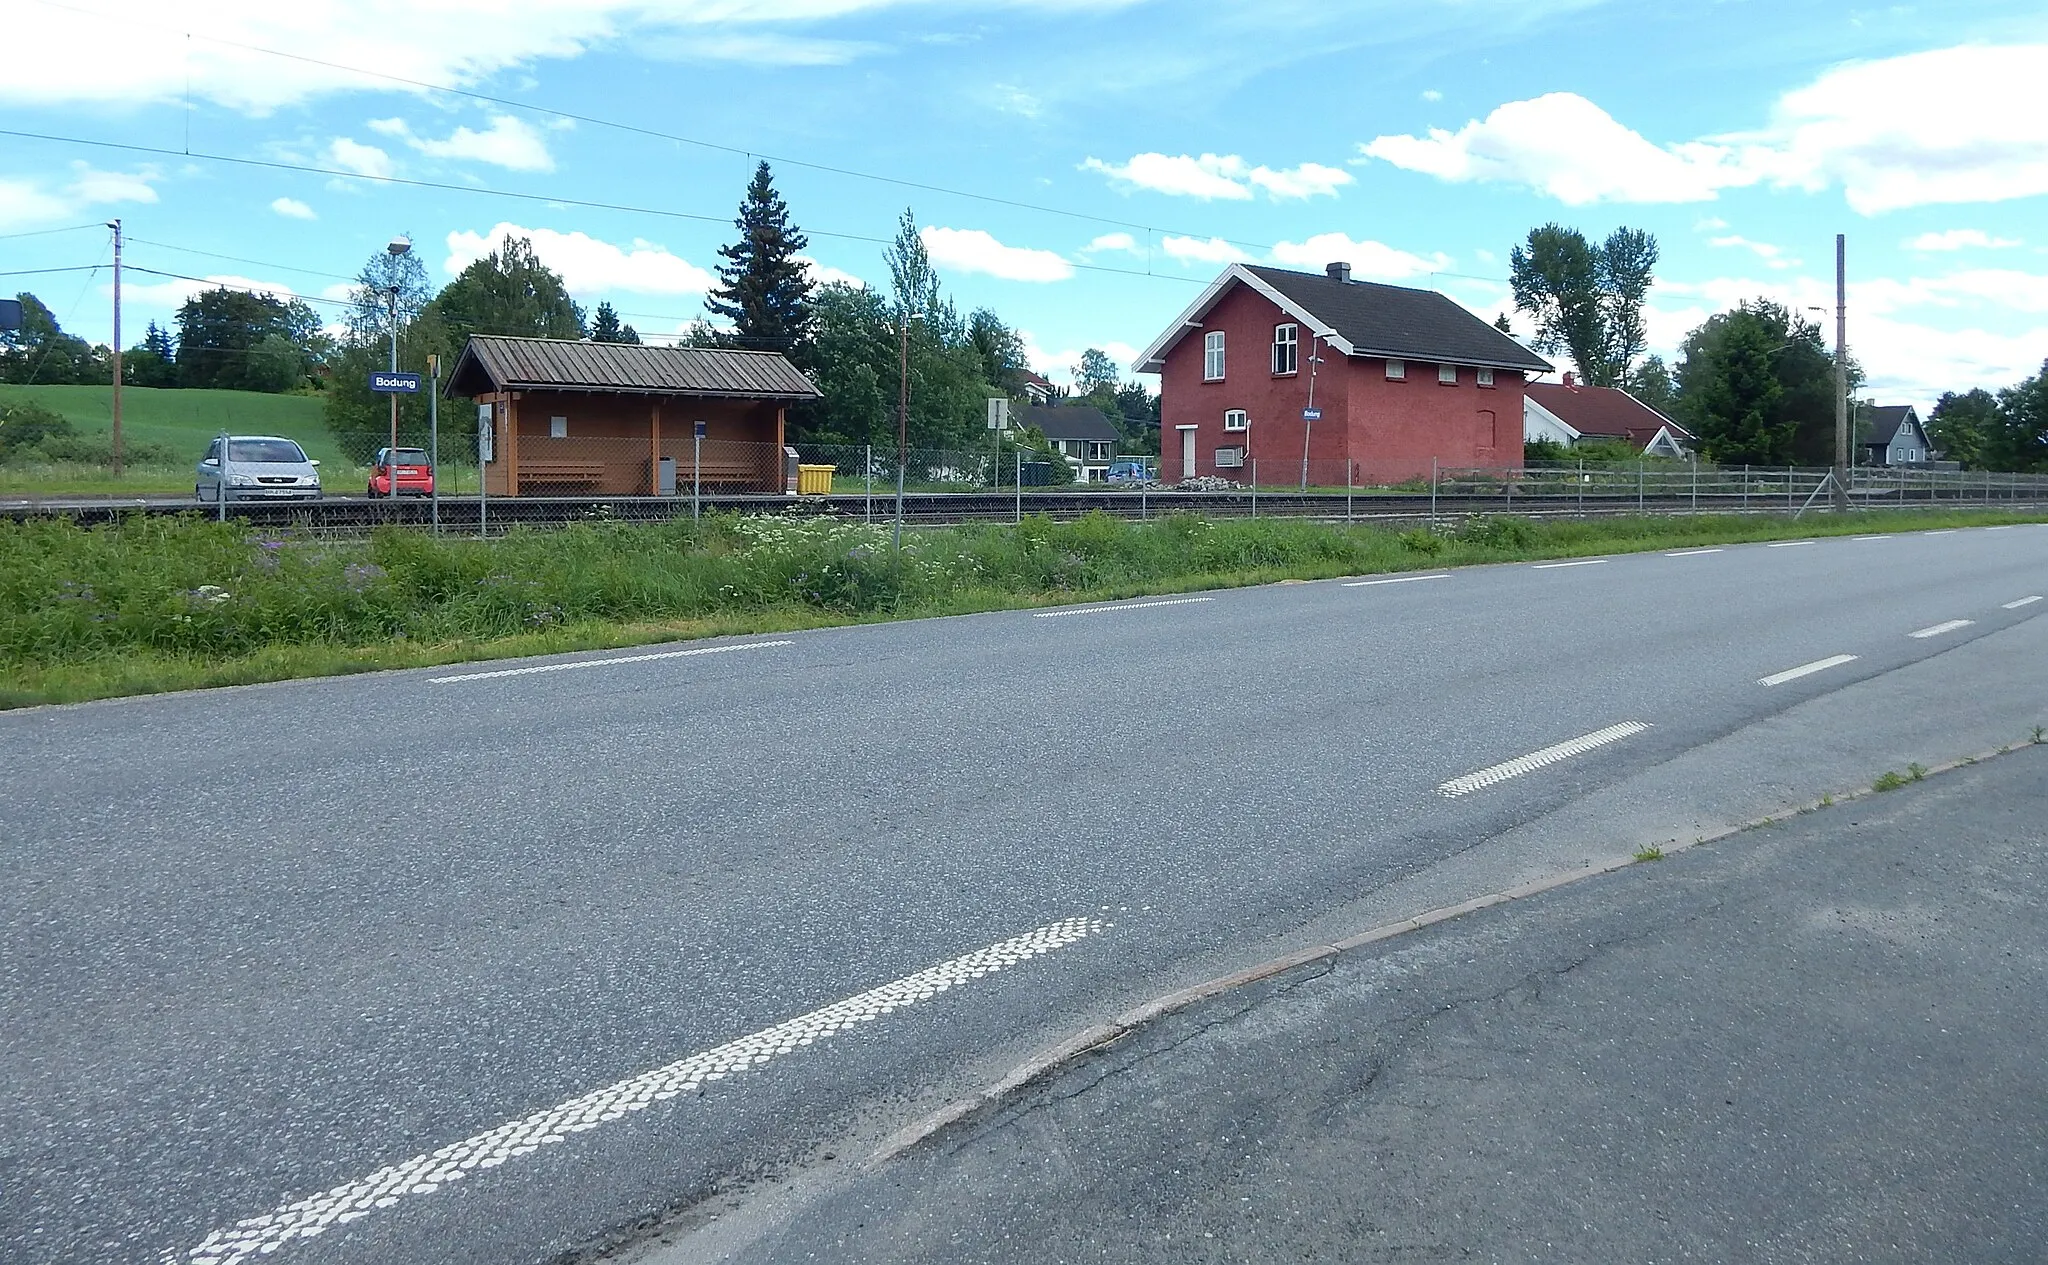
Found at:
(1447, 374)
(1237, 419)
(1212, 356)
(1286, 349)
(1396, 370)
(1486, 377)
(558, 428)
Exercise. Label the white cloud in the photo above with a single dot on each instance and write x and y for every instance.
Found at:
(172, 292)
(1113, 241)
(27, 201)
(587, 265)
(825, 274)
(1058, 366)
(1563, 145)
(972, 250)
(1431, 94)
(293, 209)
(1214, 250)
(508, 142)
(354, 156)
(1226, 177)
(1709, 224)
(1367, 259)
(1959, 239)
(1775, 256)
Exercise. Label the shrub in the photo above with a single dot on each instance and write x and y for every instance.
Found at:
(25, 424)
(1491, 532)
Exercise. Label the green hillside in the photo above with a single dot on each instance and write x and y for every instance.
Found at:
(186, 420)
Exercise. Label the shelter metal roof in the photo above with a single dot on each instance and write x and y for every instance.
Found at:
(492, 362)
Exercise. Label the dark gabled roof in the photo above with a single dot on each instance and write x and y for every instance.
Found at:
(1885, 420)
(492, 362)
(1395, 321)
(1603, 411)
(1069, 421)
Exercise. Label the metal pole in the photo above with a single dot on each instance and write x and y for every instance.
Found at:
(1639, 487)
(1582, 487)
(1695, 483)
(1019, 485)
(696, 469)
(902, 417)
(220, 488)
(1348, 480)
(868, 466)
(1841, 373)
(391, 453)
(483, 483)
(434, 439)
(1432, 492)
(116, 226)
(1255, 487)
(1791, 495)
(1745, 487)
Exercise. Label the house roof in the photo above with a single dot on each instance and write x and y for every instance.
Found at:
(1602, 411)
(1363, 318)
(1070, 421)
(493, 362)
(1885, 421)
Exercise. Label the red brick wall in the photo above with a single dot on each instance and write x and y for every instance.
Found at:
(1392, 430)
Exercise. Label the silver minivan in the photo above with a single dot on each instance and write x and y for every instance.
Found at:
(259, 468)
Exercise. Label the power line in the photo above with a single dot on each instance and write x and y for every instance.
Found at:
(250, 289)
(653, 133)
(45, 232)
(254, 263)
(35, 272)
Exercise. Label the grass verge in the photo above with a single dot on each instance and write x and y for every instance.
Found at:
(152, 604)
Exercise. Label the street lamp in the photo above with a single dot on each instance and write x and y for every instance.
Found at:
(398, 247)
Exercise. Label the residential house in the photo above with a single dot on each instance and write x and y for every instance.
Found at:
(622, 419)
(1078, 432)
(1568, 413)
(1897, 438)
(1040, 390)
(1378, 382)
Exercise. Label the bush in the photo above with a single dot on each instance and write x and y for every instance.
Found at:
(25, 424)
(1490, 532)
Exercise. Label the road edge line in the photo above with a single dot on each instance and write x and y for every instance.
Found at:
(1054, 1057)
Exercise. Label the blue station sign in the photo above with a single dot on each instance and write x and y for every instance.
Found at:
(1311, 415)
(395, 383)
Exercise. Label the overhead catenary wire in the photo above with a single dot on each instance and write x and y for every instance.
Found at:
(45, 232)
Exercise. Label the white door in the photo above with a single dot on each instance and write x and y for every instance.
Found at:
(1187, 453)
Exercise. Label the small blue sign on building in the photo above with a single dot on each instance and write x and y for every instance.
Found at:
(395, 383)
(1311, 415)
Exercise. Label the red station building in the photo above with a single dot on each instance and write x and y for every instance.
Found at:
(1403, 381)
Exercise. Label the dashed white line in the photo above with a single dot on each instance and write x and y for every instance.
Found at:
(1786, 544)
(1583, 562)
(605, 663)
(1940, 531)
(1127, 606)
(1399, 579)
(1693, 553)
(2002, 527)
(1806, 669)
(423, 1174)
(1537, 759)
(2025, 601)
(1870, 537)
(1943, 627)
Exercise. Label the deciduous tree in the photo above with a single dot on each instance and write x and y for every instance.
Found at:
(1586, 300)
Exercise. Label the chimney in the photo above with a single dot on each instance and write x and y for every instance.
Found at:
(1338, 271)
(1569, 381)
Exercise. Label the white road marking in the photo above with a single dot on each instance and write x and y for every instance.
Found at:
(1806, 669)
(1938, 629)
(2002, 527)
(1693, 553)
(1399, 579)
(1870, 538)
(1127, 606)
(1940, 531)
(1786, 544)
(2025, 601)
(1537, 759)
(605, 663)
(1583, 562)
(423, 1174)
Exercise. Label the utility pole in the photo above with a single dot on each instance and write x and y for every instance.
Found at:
(116, 226)
(1841, 497)
(902, 416)
(399, 247)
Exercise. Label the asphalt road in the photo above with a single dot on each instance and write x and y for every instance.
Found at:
(1819, 1041)
(266, 943)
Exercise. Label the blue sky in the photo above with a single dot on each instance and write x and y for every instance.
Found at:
(1117, 152)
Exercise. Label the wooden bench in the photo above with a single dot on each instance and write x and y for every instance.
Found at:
(582, 476)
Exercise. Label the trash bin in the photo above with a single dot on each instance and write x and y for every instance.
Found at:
(815, 480)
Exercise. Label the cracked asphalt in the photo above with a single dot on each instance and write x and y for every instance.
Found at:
(1822, 1040)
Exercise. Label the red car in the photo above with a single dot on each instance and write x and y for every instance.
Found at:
(415, 475)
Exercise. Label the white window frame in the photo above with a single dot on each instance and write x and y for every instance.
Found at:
(1485, 376)
(1236, 419)
(1447, 375)
(1212, 356)
(1286, 349)
(1397, 370)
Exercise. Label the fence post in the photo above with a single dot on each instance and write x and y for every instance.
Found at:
(867, 466)
(1018, 486)
(1582, 487)
(1695, 483)
(1789, 492)
(1639, 487)
(1255, 487)
(1508, 482)
(1348, 481)
(1745, 487)
(1433, 477)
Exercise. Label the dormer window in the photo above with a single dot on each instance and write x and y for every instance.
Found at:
(1212, 356)
(1286, 349)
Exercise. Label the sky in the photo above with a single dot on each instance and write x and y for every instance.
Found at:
(1082, 167)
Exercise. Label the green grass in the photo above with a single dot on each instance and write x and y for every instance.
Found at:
(1650, 853)
(158, 603)
(1887, 781)
(182, 420)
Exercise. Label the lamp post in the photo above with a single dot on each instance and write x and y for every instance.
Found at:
(398, 247)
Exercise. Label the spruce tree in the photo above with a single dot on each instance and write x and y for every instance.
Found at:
(763, 288)
(605, 326)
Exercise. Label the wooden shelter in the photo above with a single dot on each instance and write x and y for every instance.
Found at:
(619, 419)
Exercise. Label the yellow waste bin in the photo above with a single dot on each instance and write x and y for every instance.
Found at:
(815, 480)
